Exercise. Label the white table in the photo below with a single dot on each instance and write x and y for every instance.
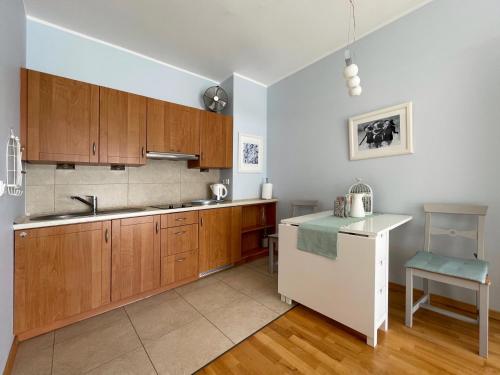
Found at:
(353, 288)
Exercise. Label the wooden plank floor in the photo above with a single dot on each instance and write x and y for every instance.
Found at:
(305, 342)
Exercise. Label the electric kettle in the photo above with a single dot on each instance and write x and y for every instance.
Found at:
(219, 191)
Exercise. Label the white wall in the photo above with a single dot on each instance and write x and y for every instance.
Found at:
(249, 117)
(445, 57)
(12, 57)
(55, 51)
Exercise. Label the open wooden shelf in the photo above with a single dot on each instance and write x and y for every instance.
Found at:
(256, 228)
(259, 251)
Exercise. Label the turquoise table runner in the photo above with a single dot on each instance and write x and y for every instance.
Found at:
(319, 236)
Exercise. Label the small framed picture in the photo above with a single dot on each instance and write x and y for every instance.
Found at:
(250, 153)
(386, 132)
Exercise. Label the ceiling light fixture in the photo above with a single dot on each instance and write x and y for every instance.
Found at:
(351, 69)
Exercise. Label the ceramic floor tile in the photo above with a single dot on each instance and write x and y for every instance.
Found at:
(246, 282)
(34, 356)
(234, 272)
(188, 348)
(134, 363)
(213, 297)
(156, 316)
(269, 297)
(195, 285)
(91, 349)
(89, 325)
(240, 320)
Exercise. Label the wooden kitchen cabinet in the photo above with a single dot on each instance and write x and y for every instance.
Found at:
(216, 141)
(60, 272)
(122, 127)
(219, 237)
(59, 119)
(135, 256)
(172, 128)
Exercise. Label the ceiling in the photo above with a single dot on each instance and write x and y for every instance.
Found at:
(265, 40)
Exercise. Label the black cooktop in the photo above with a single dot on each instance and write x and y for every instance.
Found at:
(171, 206)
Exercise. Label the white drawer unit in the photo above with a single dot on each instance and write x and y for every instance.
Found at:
(351, 289)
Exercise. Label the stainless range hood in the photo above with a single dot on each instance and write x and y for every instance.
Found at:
(170, 156)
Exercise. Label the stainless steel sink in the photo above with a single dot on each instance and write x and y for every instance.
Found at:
(75, 215)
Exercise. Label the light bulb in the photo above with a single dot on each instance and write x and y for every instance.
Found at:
(353, 82)
(355, 91)
(350, 71)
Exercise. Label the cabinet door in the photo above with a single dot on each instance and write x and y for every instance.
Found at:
(216, 141)
(62, 119)
(172, 128)
(185, 129)
(60, 272)
(218, 235)
(135, 256)
(122, 132)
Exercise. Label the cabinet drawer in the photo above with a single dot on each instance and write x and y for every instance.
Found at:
(179, 239)
(179, 267)
(180, 218)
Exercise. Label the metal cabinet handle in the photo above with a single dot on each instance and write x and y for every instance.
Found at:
(157, 227)
(180, 260)
(201, 221)
(142, 151)
(181, 232)
(181, 219)
(93, 148)
(23, 234)
(106, 235)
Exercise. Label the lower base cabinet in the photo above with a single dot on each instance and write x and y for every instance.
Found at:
(60, 272)
(135, 256)
(67, 273)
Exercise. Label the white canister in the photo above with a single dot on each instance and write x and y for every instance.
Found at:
(267, 190)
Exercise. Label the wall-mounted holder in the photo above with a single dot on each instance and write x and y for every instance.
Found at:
(14, 167)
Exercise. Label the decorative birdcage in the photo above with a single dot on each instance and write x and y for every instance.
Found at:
(360, 187)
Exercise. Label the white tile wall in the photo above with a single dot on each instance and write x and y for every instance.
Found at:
(158, 182)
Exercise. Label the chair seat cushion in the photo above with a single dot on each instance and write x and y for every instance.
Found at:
(470, 269)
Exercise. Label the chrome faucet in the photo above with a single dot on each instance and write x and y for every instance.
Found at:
(91, 201)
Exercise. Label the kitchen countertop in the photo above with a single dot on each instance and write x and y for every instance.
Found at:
(371, 226)
(24, 222)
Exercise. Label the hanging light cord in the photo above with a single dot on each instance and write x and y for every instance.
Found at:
(352, 16)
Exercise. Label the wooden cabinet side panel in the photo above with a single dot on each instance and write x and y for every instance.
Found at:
(33, 115)
(157, 253)
(115, 260)
(94, 125)
(228, 137)
(236, 234)
(23, 115)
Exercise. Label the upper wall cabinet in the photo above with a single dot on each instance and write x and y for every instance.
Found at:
(59, 119)
(122, 127)
(173, 128)
(216, 141)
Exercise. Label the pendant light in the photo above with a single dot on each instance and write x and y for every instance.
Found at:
(351, 70)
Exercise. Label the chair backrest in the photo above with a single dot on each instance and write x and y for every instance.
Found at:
(476, 234)
(298, 204)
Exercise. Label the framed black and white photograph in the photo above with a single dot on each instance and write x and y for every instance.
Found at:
(386, 132)
(250, 153)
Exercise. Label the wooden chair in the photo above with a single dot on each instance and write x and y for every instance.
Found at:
(295, 206)
(466, 273)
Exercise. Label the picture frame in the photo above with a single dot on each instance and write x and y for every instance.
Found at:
(381, 133)
(250, 153)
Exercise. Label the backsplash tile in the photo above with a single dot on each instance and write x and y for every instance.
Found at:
(40, 174)
(108, 195)
(39, 199)
(157, 172)
(90, 175)
(158, 182)
(148, 194)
